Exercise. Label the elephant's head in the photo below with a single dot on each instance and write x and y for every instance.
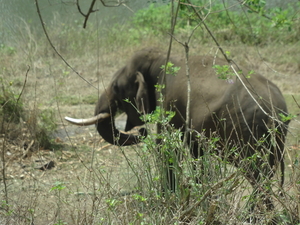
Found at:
(127, 92)
(132, 90)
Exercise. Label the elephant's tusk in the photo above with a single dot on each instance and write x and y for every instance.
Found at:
(88, 121)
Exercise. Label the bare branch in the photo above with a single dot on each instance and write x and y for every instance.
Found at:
(24, 84)
(216, 186)
(86, 16)
(79, 8)
(249, 92)
(187, 68)
(114, 5)
(52, 45)
(92, 10)
(232, 64)
(210, 33)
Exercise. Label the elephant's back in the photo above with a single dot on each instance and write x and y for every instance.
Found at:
(206, 89)
(213, 94)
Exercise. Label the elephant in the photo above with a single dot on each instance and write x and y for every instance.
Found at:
(241, 109)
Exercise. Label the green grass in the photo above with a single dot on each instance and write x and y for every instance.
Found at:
(105, 184)
(74, 100)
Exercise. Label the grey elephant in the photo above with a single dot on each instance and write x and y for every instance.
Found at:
(240, 108)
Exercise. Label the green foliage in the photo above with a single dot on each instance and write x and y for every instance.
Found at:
(60, 222)
(170, 68)
(285, 118)
(139, 197)
(278, 17)
(256, 6)
(7, 50)
(41, 124)
(144, 202)
(12, 109)
(4, 205)
(44, 127)
(169, 147)
(168, 150)
(46, 118)
(155, 19)
(112, 203)
(159, 116)
(58, 185)
(224, 72)
(281, 19)
(252, 23)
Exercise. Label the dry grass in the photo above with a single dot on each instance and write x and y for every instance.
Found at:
(91, 181)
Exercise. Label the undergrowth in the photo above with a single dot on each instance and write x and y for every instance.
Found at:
(256, 25)
(39, 124)
(91, 185)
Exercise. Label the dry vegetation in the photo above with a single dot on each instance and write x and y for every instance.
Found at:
(96, 183)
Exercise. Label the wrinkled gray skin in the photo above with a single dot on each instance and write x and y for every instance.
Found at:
(217, 105)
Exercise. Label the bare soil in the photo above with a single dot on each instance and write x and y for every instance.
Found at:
(90, 169)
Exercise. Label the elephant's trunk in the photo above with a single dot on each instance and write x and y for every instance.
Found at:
(111, 134)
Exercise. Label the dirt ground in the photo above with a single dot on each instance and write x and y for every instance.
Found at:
(66, 183)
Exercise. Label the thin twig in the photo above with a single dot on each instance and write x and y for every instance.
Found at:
(115, 5)
(54, 48)
(247, 89)
(3, 171)
(231, 62)
(27, 149)
(210, 33)
(173, 23)
(92, 10)
(243, 3)
(296, 101)
(89, 13)
(216, 186)
(24, 84)
(5, 139)
(79, 8)
(187, 68)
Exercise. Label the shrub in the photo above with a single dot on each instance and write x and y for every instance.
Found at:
(40, 124)
(253, 25)
(154, 19)
(11, 106)
(45, 127)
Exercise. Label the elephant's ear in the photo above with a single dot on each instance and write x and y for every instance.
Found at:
(142, 98)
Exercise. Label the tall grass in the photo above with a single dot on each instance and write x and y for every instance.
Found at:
(96, 183)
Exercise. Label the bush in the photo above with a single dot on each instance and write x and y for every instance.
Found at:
(223, 195)
(154, 19)
(253, 26)
(40, 124)
(45, 127)
(11, 106)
